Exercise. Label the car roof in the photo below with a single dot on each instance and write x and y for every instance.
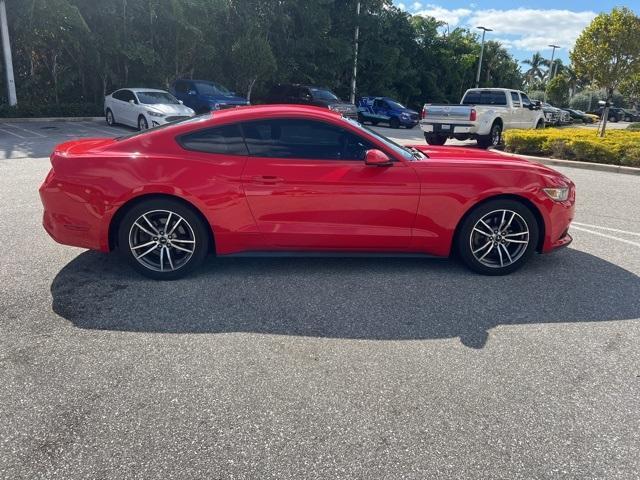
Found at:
(140, 89)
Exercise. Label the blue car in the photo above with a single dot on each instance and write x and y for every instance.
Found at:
(386, 110)
(204, 96)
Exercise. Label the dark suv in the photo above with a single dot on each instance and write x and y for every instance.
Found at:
(310, 95)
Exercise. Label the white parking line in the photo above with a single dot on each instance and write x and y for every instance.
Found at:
(99, 129)
(12, 133)
(606, 228)
(24, 129)
(600, 234)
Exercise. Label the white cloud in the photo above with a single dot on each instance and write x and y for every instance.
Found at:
(402, 6)
(416, 6)
(520, 28)
(452, 17)
(533, 29)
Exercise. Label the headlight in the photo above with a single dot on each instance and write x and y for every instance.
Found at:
(404, 115)
(559, 194)
(155, 114)
(217, 106)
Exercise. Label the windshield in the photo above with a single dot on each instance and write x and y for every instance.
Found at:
(397, 105)
(321, 94)
(210, 88)
(404, 152)
(153, 98)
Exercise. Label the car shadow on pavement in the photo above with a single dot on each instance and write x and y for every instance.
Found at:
(353, 298)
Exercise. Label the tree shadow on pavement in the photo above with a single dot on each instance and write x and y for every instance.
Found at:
(354, 298)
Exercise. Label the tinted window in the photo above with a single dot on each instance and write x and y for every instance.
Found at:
(515, 99)
(119, 95)
(154, 98)
(128, 95)
(182, 87)
(484, 97)
(226, 140)
(323, 94)
(525, 100)
(303, 139)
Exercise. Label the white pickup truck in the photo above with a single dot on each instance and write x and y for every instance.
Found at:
(483, 114)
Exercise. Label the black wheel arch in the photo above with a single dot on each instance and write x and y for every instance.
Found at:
(124, 208)
(524, 201)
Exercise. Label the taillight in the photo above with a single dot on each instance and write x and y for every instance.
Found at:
(472, 115)
(423, 114)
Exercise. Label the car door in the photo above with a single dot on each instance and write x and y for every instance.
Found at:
(117, 106)
(529, 116)
(129, 111)
(308, 188)
(380, 110)
(517, 115)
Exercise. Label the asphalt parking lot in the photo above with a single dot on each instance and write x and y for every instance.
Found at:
(317, 368)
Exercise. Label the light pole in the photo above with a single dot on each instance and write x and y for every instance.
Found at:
(484, 30)
(8, 62)
(553, 53)
(352, 98)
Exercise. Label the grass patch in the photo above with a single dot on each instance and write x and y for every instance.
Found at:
(618, 147)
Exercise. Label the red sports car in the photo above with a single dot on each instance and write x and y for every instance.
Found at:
(277, 179)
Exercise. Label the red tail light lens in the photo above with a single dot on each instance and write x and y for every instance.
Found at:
(423, 114)
(472, 115)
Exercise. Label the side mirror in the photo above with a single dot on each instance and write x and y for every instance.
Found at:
(377, 158)
(180, 102)
(132, 102)
(191, 92)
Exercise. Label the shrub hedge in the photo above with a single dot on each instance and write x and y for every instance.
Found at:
(31, 110)
(618, 147)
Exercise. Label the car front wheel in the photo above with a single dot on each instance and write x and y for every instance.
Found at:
(497, 237)
(142, 123)
(163, 239)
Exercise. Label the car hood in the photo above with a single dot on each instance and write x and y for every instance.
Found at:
(341, 106)
(169, 109)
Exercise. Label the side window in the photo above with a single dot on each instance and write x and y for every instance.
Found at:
(119, 95)
(226, 139)
(515, 99)
(302, 139)
(525, 101)
(378, 103)
(181, 87)
(128, 95)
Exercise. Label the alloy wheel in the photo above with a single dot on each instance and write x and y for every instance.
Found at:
(142, 124)
(162, 240)
(499, 238)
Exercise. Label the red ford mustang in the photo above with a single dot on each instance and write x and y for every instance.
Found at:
(298, 179)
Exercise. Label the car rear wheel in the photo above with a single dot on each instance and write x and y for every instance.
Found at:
(497, 237)
(435, 139)
(109, 117)
(493, 139)
(142, 123)
(163, 239)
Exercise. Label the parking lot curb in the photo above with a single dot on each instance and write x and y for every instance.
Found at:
(52, 119)
(600, 167)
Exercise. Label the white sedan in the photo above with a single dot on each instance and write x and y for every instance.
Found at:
(144, 108)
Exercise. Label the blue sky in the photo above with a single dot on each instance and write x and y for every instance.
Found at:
(524, 28)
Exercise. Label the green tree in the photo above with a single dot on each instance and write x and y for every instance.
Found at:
(535, 73)
(608, 51)
(558, 91)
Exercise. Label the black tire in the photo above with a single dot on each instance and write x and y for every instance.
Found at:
(540, 125)
(360, 118)
(613, 118)
(433, 139)
(111, 121)
(142, 123)
(493, 139)
(469, 241)
(374, 122)
(189, 230)
(394, 122)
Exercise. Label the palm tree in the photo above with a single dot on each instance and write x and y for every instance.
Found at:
(535, 71)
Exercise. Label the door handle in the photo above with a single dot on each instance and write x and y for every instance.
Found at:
(267, 179)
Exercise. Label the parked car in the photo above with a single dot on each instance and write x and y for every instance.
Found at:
(204, 96)
(616, 114)
(579, 116)
(144, 108)
(311, 95)
(552, 115)
(483, 114)
(630, 115)
(282, 178)
(386, 110)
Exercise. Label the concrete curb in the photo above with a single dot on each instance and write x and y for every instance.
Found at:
(600, 167)
(52, 119)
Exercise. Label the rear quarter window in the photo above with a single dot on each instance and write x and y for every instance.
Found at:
(226, 140)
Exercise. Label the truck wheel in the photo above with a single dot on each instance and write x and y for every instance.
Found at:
(435, 139)
(540, 125)
(394, 122)
(493, 139)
